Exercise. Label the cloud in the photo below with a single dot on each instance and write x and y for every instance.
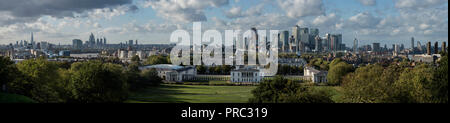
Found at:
(418, 4)
(236, 12)
(302, 8)
(326, 20)
(368, 2)
(364, 20)
(19, 11)
(184, 10)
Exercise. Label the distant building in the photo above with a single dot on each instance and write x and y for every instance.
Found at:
(314, 75)
(429, 48)
(425, 58)
(376, 47)
(130, 43)
(77, 43)
(444, 47)
(436, 48)
(173, 73)
(245, 75)
(65, 53)
(284, 39)
(355, 45)
(318, 43)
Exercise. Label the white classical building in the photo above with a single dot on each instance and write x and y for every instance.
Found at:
(315, 75)
(246, 75)
(173, 73)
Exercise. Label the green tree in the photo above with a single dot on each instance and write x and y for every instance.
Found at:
(150, 78)
(96, 82)
(201, 69)
(157, 59)
(135, 59)
(337, 73)
(365, 85)
(39, 80)
(439, 87)
(281, 90)
(413, 85)
(8, 71)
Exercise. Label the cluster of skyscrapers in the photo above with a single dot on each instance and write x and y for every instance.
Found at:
(309, 40)
(91, 43)
(429, 49)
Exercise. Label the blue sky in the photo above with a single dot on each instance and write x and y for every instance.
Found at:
(152, 21)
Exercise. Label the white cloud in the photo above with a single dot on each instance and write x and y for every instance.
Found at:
(326, 20)
(416, 4)
(109, 13)
(364, 20)
(236, 12)
(302, 8)
(184, 10)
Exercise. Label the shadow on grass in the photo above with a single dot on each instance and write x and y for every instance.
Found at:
(161, 94)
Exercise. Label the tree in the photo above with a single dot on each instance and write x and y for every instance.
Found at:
(337, 72)
(319, 63)
(135, 59)
(39, 80)
(413, 85)
(439, 86)
(150, 78)
(201, 69)
(96, 82)
(397, 83)
(8, 71)
(281, 90)
(157, 59)
(365, 85)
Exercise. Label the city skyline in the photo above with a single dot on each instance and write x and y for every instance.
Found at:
(152, 21)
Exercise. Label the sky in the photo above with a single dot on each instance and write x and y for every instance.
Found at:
(152, 21)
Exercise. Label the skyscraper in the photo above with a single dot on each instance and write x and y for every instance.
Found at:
(304, 39)
(130, 43)
(91, 40)
(444, 47)
(328, 42)
(396, 49)
(412, 44)
(419, 47)
(355, 45)
(376, 47)
(436, 48)
(296, 38)
(318, 43)
(77, 43)
(429, 48)
(284, 39)
(313, 33)
(336, 42)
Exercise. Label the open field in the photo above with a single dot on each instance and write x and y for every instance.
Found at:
(193, 94)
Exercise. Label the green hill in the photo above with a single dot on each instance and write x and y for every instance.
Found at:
(14, 98)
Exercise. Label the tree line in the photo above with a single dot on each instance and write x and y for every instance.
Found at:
(94, 81)
(398, 82)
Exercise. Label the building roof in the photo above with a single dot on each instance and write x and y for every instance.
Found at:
(312, 69)
(246, 69)
(165, 67)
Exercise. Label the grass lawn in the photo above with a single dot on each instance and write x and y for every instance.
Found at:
(14, 98)
(193, 94)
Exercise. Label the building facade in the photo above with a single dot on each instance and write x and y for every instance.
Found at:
(315, 76)
(246, 75)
